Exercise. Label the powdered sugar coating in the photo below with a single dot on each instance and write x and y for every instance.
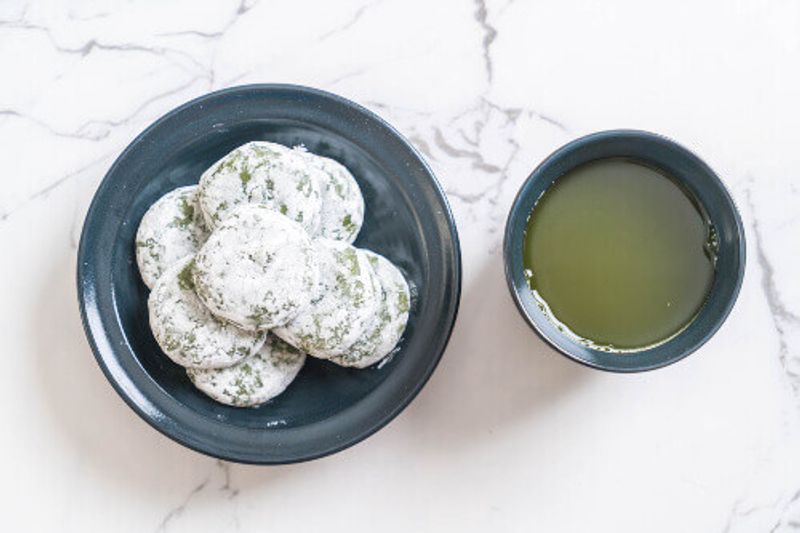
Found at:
(342, 211)
(262, 173)
(350, 297)
(386, 330)
(187, 331)
(255, 380)
(258, 269)
(172, 228)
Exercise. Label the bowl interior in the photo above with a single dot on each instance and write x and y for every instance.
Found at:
(698, 181)
(327, 407)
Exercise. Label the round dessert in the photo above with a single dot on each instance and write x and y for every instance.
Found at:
(187, 331)
(172, 228)
(342, 211)
(258, 269)
(350, 298)
(384, 333)
(255, 380)
(262, 173)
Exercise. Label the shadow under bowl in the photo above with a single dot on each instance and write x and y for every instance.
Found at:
(697, 180)
(328, 407)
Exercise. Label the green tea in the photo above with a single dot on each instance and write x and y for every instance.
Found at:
(619, 255)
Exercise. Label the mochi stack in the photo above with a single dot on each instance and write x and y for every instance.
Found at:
(254, 268)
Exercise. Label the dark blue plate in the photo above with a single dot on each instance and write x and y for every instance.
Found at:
(327, 408)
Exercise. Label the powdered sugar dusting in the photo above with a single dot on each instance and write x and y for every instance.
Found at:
(350, 298)
(263, 173)
(172, 228)
(187, 331)
(342, 210)
(258, 269)
(254, 380)
(388, 325)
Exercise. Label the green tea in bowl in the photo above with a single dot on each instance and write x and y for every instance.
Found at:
(618, 254)
(624, 251)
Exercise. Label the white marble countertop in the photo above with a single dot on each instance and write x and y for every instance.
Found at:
(507, 435)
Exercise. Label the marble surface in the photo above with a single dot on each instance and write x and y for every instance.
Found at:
(507, 435)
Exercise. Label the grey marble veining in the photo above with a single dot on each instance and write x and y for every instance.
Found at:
(507, 436)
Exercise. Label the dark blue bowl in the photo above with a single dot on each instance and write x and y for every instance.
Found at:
(328, 407)
(697, 179)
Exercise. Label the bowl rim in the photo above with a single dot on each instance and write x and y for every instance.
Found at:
(150, 413)
(587, 356)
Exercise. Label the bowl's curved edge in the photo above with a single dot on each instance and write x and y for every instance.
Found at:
(82, 265)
